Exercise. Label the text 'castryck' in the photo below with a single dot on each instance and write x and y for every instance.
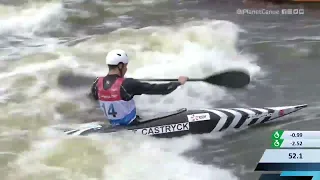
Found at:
(163, 129)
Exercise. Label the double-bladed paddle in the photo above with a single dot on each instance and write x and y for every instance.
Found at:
(230, 79)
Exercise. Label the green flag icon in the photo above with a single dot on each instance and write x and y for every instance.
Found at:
(276, 143)
(277, 134)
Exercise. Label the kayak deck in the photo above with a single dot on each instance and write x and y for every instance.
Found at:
(182, 122)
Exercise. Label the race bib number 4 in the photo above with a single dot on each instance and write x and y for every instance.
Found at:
(111, 111)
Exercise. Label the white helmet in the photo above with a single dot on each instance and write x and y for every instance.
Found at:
(117, 56)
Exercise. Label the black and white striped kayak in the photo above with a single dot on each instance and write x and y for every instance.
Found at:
(183, 121)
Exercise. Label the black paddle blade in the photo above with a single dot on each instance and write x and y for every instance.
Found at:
(229, 79)
(71, 80)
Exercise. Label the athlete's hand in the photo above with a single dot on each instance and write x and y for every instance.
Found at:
(183, 79)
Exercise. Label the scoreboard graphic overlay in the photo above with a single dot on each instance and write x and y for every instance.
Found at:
(296, 154)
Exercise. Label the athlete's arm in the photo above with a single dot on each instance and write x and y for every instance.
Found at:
(94, 90)
(131, 87)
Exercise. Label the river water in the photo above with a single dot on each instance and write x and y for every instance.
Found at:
(40, 39)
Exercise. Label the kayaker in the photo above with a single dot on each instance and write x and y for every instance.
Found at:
(115, 93)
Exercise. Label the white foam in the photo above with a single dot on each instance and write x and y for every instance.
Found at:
(34, 18)
(120, 157)
(34, 68)
(115, 4)
(195, 49)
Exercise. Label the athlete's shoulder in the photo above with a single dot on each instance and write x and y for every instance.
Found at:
(131, 81)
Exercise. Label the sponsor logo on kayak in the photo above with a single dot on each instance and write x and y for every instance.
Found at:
(281, 112)
(198, 117)
(163, 129)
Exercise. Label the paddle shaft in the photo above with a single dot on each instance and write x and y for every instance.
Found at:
(170, 80)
